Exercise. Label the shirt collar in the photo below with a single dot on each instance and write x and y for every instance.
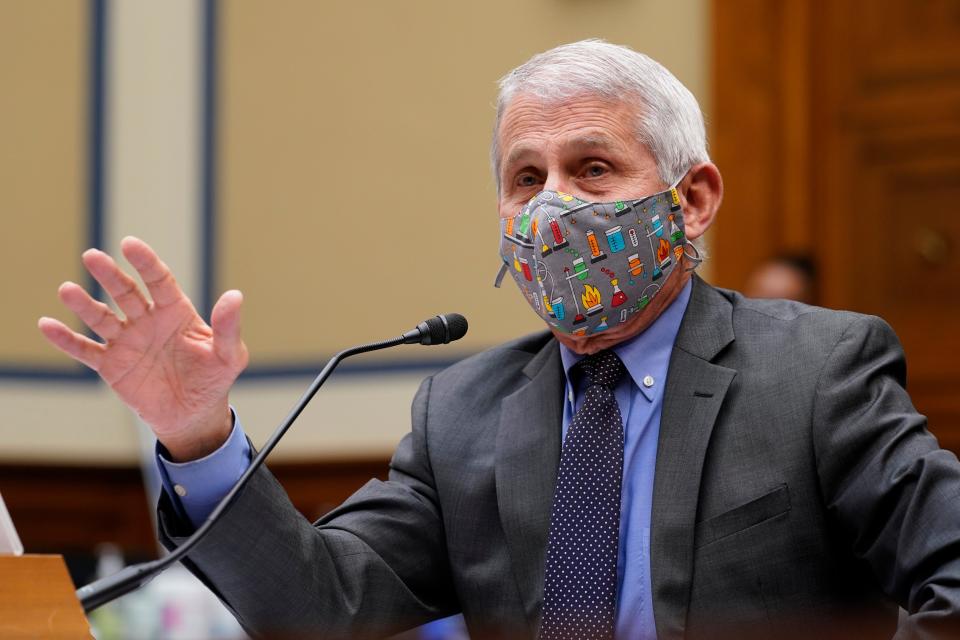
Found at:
(648, 353)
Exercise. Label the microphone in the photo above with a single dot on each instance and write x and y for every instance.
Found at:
(441, 329)
(438, 330)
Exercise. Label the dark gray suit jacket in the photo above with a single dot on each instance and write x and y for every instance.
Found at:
(796, 487)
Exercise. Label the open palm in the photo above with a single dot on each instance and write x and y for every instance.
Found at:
(162, 359)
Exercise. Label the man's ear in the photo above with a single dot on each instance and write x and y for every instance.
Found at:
(701, 192)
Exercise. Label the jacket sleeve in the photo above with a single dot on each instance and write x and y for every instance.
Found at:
(374, 566)
(886, 482)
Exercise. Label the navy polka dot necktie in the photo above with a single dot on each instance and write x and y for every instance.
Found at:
(580, 591)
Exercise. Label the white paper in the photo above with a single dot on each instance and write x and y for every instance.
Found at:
(9, 540)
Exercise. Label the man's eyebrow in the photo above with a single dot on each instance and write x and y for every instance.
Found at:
(593, 141)
(517, 153)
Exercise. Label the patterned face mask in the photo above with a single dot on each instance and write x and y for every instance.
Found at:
(587, 266)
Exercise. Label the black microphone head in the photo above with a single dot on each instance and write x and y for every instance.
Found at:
(456, 324)
(442, 329)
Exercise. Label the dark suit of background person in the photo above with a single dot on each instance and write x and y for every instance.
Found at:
(795, 486)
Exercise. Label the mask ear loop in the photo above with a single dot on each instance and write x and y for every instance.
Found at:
(695, 259)
(502, 272)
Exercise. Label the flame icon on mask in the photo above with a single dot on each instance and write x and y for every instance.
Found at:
(591, 299)
(591, 296)
(663, 250)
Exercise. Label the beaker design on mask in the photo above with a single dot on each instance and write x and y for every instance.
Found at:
(619, 297)
(580, 269)
(615, 239)
(558, 311)
(675, 234)
(621, 208)
(559, 242)
(657, 225)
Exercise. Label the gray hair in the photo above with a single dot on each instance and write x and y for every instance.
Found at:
(670, 126)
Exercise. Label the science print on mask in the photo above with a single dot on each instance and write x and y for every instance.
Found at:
(587, 266)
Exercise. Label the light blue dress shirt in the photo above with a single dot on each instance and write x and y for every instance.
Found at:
(197, 486)
(640, 398)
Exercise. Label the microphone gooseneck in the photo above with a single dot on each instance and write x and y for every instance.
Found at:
(437, 330)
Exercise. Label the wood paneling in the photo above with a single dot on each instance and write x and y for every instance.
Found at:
(60, 509)
(71, 510)
(837, 130)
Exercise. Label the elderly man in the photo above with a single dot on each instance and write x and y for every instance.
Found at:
(668, 460)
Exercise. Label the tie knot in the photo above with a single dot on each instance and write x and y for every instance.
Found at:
(604, 368)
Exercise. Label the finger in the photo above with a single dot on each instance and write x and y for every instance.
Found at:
(96, 315)
(121, 287)
(156, 275)
(78, 347)
(225, 321)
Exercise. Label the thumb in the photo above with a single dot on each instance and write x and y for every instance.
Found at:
(225, 321)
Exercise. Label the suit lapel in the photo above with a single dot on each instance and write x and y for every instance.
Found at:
(692, 399)
(528, 454)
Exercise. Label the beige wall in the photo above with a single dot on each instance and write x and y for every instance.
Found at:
(329, 113)
(43, 128)
(353, 146)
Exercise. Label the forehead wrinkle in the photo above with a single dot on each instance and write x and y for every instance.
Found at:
(595, 141)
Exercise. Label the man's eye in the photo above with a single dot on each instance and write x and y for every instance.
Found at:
(595, 171)
(526, 180)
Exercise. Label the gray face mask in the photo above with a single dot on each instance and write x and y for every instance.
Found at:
(586, 266)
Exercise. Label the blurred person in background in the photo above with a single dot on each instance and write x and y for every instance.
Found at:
(788, 276)
(667, 460)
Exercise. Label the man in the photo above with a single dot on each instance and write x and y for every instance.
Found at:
(668, 460)
(789, 276)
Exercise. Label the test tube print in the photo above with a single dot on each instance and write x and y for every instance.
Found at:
(523, 227)
(525, 267)
(559, 241)
(596, 255)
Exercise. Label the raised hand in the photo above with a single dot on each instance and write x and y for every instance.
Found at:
(162, 359)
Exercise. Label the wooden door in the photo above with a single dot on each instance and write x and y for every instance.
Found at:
(837, 129)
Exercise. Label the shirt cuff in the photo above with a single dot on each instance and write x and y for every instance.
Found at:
(196, 487)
